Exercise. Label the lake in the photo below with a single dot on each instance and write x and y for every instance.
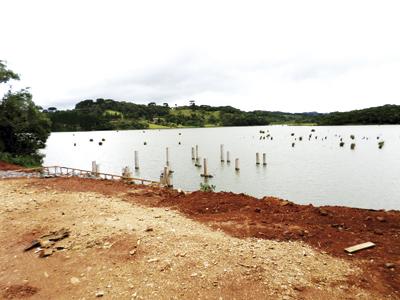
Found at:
(315, 170)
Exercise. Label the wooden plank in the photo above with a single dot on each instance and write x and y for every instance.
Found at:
(359, 247)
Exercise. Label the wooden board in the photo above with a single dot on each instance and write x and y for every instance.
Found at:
(359, 247)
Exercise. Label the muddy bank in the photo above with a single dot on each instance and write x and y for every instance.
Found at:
(329, 229)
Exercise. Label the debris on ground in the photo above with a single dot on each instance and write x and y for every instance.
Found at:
(47, 242)
(359, 247)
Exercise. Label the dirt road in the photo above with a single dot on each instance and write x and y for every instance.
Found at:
(135, 242)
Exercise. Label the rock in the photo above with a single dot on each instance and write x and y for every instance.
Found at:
(390, 265)
(45, 252)
(132, 252)
(148, 229)
(46, 274)
(285, 203)
(166, 267)
(381, 219)
(322, 212)
(46, 243)
(152, 260)
(257, 210)
(74, 280)
(99, 294)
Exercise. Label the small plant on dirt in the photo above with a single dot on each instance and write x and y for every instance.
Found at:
(352, 146)
(352, 136)
(205, 187)
(341, 144)
(380, 144)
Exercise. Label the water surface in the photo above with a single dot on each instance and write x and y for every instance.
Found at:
(315, 171)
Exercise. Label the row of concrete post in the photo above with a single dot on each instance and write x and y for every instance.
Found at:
(126, 173)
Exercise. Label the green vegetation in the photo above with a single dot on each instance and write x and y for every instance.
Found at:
(386, 114)
(23, 128)
(108, 114)
(205, 187)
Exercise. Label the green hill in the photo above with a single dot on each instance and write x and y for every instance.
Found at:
(108, 114)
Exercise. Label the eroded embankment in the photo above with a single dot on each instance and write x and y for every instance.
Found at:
(264, 255)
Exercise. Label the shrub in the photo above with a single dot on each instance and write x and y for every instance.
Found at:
(29, 161)
(205, 187)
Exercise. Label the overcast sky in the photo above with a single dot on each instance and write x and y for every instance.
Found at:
(272, 55)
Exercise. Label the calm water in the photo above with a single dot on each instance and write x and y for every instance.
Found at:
(315, 171)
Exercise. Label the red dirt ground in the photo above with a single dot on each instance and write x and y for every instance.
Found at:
(329, 228)
(4, 166)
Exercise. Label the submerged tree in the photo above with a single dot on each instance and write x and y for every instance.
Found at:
(23, 128)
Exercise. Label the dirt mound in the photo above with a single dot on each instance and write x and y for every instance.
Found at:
(328, 228)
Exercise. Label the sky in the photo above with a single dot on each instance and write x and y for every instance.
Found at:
(292, 56)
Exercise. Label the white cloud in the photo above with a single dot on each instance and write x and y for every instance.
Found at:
(272, 55)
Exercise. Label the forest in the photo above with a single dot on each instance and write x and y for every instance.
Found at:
(108, 114)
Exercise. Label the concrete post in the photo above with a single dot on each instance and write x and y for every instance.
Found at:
(167, 179)
(264, 159)
(197, 163)
(237, 164)
(136, 160)
(126, 173)
(222, 153)
(228, 159)
(205, 167)
(94, 168)
(167, 156)
(257, 158)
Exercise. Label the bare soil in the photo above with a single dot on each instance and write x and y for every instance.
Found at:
(139, 242)
(4, 166)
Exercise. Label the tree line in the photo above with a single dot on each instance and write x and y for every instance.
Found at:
(108, 114)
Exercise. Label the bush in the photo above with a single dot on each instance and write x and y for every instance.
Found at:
(29, 161)
(205, 187)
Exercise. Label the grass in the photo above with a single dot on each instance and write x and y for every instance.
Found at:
(294, 124)
(157, 126)
(112, 112)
